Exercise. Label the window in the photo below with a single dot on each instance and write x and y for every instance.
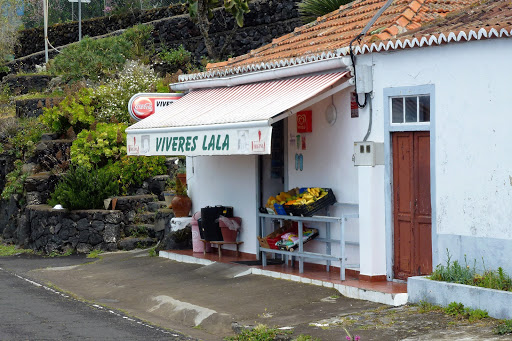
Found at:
(410, 109)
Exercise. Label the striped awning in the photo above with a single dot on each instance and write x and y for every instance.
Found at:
(224, 121)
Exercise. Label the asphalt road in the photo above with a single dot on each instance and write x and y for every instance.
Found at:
(31, 311)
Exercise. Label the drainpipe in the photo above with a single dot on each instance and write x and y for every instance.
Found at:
(334, 64)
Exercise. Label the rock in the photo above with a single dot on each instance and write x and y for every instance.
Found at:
(95, 239)
(111, 233)
(98, 225)
(83, 248)
(133, 243)
(82, 224)
(177, 240)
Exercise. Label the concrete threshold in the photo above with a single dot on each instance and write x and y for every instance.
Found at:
(351, 291)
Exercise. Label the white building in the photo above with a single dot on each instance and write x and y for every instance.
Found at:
(434, 172)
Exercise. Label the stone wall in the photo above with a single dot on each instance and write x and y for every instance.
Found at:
(50, 230)
(268, 19)
(6, 166)
(33, 107)
(31, 40)
(20, 85)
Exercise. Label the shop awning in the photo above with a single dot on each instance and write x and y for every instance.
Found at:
(228, 120)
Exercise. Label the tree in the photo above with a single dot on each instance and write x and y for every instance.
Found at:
(202, 12)
(311, 9)
(9, 24)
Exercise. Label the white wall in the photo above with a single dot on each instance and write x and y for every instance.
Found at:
(473, 124)
(473, 120)
(328, 163)
(228, 181)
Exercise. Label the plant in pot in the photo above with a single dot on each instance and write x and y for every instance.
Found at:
(181, 203)
(169, 192)
(181, 174)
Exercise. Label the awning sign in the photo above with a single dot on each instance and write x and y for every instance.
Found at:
(142, 105)
(207, 142)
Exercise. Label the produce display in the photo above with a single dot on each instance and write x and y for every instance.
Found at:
(290, 241)
(297, 196)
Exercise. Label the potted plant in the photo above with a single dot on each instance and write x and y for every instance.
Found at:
(181, 203)
(169, 192)
(181, 174)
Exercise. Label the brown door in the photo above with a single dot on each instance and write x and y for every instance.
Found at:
(411, 204)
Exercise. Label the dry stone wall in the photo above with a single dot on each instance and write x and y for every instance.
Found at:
(268, 19)
(50, 230)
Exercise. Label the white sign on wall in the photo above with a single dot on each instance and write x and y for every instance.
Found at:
(243, 141)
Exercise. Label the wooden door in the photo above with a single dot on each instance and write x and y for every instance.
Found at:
(412, 210)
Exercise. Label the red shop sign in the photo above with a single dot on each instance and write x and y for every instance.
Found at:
(143, 105)
(305, 121)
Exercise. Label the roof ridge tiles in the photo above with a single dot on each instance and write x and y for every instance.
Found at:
(402, 25)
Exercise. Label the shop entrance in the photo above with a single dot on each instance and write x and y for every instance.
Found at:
(412, 210)
(272, 165)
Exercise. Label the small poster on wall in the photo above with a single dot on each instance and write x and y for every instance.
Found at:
(305, 121)
(354, 109)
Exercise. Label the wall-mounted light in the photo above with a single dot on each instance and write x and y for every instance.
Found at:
(331, 114)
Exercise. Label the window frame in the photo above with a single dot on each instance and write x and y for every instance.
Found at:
(404, 109)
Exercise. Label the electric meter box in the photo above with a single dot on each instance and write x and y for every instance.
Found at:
(368, 153)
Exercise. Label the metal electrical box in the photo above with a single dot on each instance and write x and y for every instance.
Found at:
(368, 153)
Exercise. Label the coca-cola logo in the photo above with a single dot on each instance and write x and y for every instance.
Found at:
(142, 107)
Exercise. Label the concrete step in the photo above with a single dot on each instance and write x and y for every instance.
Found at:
(131, 243)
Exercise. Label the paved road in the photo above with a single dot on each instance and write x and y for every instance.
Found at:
(29, 311)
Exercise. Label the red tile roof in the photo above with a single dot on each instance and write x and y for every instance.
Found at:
(405, 23)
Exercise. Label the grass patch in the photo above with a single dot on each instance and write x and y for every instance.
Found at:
(426, 307)
(94, 254)
(11, 250)
(259, 333)
(66, 253)
(303, 337)
(152, 252)
(458, 310)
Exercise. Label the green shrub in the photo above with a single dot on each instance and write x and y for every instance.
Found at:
(458, 310)
(180, 57)
(92, 58)
(504, 328)
(115, 95)
(456, 273)
(477, 314)
(99, 146)
(311, 9)
(15, 181)
(83, 188)
(455, 309)
(28, 134)
(75, 111)
(494, 279)
(131, 171)
(138, 35)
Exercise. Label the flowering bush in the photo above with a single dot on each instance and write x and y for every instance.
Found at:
(116, 94)
(104, 143)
